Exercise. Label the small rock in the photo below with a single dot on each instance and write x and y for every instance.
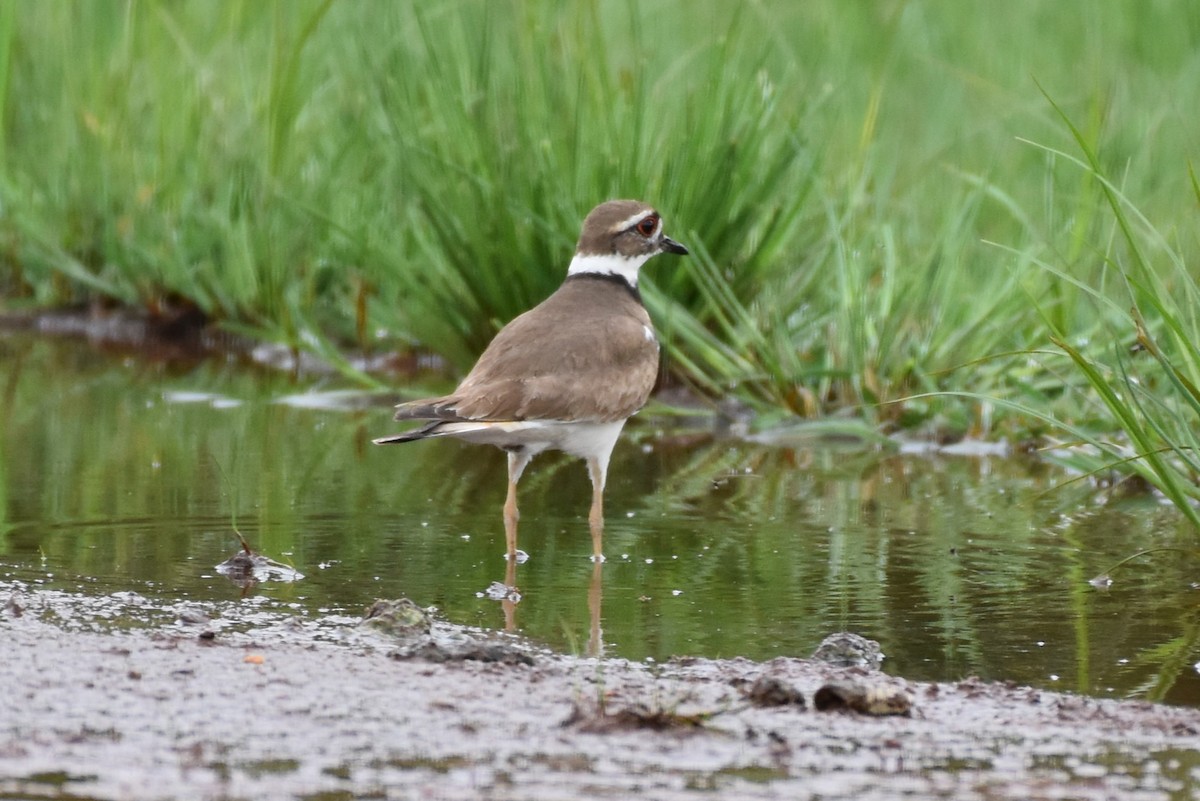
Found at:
(499, 591)
(847, 649)
(193, 617)
(867, 697)
(400, 618)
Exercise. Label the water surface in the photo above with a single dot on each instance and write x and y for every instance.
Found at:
(119, 474)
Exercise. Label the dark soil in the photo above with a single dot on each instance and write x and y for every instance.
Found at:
(169, 329)
(122, 698)
(175, 330)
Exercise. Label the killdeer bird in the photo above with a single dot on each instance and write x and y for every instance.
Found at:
(568, 373)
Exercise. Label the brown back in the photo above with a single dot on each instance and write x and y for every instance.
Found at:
(582, 354)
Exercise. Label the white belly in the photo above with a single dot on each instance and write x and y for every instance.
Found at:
(582, 440)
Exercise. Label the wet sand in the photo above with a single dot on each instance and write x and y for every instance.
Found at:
(123, 698)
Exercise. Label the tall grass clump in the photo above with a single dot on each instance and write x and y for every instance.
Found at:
(1141, 374)
(536, 116)
(145, 156)
(893, 291)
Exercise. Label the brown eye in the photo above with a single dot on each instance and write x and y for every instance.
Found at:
(648, 226)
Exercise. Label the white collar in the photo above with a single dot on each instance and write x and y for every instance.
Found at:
(608, 264)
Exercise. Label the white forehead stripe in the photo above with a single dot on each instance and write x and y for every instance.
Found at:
(608, 264)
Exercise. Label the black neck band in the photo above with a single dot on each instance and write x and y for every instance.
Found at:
(611, 278)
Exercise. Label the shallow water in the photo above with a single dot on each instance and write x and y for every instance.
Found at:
(118, 475)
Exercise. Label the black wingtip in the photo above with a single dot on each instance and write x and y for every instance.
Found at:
(410, 436)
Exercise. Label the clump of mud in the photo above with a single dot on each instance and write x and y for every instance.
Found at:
(870, 696)
(770, 691)
(597, 719)
(420, 639)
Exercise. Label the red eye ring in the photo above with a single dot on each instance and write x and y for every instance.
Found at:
(648, 225)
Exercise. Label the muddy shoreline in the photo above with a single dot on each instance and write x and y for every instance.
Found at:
(125, 698)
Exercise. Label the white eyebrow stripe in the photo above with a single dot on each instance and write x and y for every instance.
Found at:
(635, 219)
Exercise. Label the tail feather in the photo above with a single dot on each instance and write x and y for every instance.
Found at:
(439, 428)
(442, 413)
